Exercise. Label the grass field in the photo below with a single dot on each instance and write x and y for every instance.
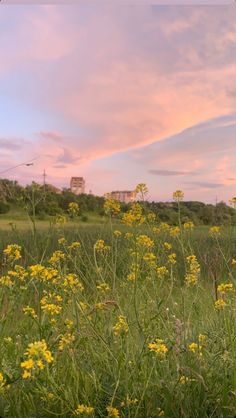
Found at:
(132, 319)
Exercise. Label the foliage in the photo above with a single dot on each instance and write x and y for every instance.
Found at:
(131, 322)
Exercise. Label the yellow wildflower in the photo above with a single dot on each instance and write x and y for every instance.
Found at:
(174, 231)
(167, 246)
(57, 257)
(84, 409)
(188, 225)
(145, 241)
(111, 206)
(220, 304)
(172, 258)
(104, 287)
(73, 209)
(121, 326)
(134, 216)
(100, 246)
(194, 347)
(225, 287)
(112, 412)
(214, 231)
(159, 347)
(178, 195)
(65, 340)
(162, 272)
(117, 234)
(62, 241)
(12, 252)
(30, 311)
(74, 245)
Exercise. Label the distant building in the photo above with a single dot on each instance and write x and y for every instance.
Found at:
(125, 196)
(77, 185)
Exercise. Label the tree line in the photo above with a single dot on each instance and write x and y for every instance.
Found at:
(46, 201)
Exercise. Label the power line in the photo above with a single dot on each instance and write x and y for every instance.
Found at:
(27, 163)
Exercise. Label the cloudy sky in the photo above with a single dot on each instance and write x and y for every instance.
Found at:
(121, 95)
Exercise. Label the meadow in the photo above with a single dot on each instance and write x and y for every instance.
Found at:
(131, 318)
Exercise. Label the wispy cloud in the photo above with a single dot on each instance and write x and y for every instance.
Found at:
(170, 173)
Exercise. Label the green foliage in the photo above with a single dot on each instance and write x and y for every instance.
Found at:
(42, 201)
(4, 207)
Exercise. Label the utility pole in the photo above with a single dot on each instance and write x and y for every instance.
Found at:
(44, 179)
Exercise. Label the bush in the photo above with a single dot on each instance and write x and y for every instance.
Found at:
(4, 207)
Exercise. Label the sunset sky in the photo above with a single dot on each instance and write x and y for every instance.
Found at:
(120, 95)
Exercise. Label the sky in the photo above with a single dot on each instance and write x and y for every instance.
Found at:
(120, 94)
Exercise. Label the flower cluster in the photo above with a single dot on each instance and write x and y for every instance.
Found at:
(84, 410)
(134, 216)
(193, 270)
(37, 357)
(121, 327)
(12, 252)
(73, 209)
(111, 206)
(158, 347)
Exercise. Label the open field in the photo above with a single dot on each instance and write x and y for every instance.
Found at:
(118, 320)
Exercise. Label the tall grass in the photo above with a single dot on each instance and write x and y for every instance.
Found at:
(133, 331)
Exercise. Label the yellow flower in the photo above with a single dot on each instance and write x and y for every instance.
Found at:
(188, 225)
(50, 304)
(26, 374)
(6, 281)
(233, 261)
(220, 304)
(167, 246)
(214, 231)
(225, 287)
(57, 257)
(159, 347)
(62, 241)
(145, 241)
(183, 380)
(27, 364)
(178, 195)
(164, 226)
(193, 347)
(202, 338)
(134, 216)
(151, 217)
(172, 258)
(2, 381)
(193, 270)
(142, 189)
(72, 282)
(160, 412)
(12, 252)
(121, 326)
(73, 209)
(104, 287)
(111, 206)
(65, 340)
(84, 409)
(129, 402)
(174, 231)
(156, 230)
(162, 272)
(117, 234)
(74, 245)
(100, 246)
(30, 311)
(112, 412)
(60, 220)
(150, 258)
